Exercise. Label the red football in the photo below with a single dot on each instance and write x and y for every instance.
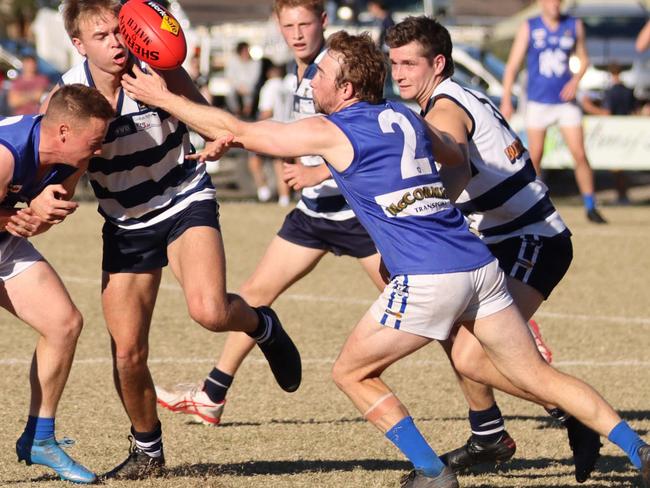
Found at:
(152, 34)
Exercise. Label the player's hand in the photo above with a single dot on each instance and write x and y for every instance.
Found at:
(149, 88)
(50, 206)
(569, 90)
(299, 176)
(213, 150)
(25, 224)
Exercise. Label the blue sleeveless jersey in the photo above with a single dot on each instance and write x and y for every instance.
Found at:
(395, 191)
(21, 135)
(548, 58)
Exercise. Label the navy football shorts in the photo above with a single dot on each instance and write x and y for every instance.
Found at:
(340, 237)
(538, 261)
(136, 250)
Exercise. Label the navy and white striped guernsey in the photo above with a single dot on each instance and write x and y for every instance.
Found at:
(142, 176)
(323, 200)
(504, 198)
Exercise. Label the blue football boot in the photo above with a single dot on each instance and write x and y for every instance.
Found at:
(48, 453)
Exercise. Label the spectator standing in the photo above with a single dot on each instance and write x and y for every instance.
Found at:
(27, 89)
(619, 100)
(242, 72)
(379, 10)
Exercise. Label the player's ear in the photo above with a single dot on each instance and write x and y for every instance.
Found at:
(439, 63)
(324, 20)
(79, 46)
(64, 131)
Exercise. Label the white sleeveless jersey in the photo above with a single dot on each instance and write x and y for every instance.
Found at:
(503, 198)
(323, 200)
(142, 176)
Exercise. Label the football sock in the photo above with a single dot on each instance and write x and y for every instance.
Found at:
(558, 414)
(216, 385)
(264, 327)
(589, 201)
(149, 442)
(406, 436)
(624, 437)
(40, 428)
(487, 425)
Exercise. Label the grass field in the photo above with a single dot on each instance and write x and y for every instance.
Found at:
(597, 323)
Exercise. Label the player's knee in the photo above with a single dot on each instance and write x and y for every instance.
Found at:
(209, 315)
(66, 328)
(130, 356)
(469, 364)
(342, 376)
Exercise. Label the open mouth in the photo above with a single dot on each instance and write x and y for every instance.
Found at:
(120, 58)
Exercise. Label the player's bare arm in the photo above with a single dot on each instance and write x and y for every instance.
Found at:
(569, 90)
(6, 173)
(450, 126)
(312, 136)
(299, 176)
(515, 58)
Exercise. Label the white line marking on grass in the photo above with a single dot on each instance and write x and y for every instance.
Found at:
(365, 301)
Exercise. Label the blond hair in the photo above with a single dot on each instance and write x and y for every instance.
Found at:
(74, 11)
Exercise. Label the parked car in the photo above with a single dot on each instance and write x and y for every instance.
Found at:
(611, 29)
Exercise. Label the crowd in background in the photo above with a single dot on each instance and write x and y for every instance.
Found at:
(261, 89)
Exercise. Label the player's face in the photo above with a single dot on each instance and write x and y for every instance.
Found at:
(302, 30)
(551, 8)
(101, 42)
(326, 91)
(413, 73)
(84, 141)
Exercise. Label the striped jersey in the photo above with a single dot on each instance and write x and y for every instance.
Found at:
(323, 200)
(21, 134)
(394, 188)
(548, 58)
(503, 198)
(142, 176)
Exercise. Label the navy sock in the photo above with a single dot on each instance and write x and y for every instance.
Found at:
(487, 425)
(589, 201)
(624, 437)
(408, 439)
(264, 325)
(40, 428)
(216, 385)
(149, 442)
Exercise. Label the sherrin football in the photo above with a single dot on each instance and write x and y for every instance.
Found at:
(152, 34)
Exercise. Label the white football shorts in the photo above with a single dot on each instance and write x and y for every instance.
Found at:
(16, 255)
(544, 115)
(430, 305)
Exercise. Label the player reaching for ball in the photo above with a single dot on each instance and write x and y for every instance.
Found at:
(159, 207)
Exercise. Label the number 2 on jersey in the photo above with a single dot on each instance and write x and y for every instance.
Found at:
(410, 165)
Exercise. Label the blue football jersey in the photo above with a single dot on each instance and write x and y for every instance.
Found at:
(395, 191)
(21, 135)
(548, 58)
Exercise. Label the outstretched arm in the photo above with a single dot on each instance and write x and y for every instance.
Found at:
(311, 136)
(569, 90)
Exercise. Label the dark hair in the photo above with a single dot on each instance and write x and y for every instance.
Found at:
(241, 46)
(79, 103)
(316, 6)
(76, 10)
(615, 68)
(362, 64)
(429, 33)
